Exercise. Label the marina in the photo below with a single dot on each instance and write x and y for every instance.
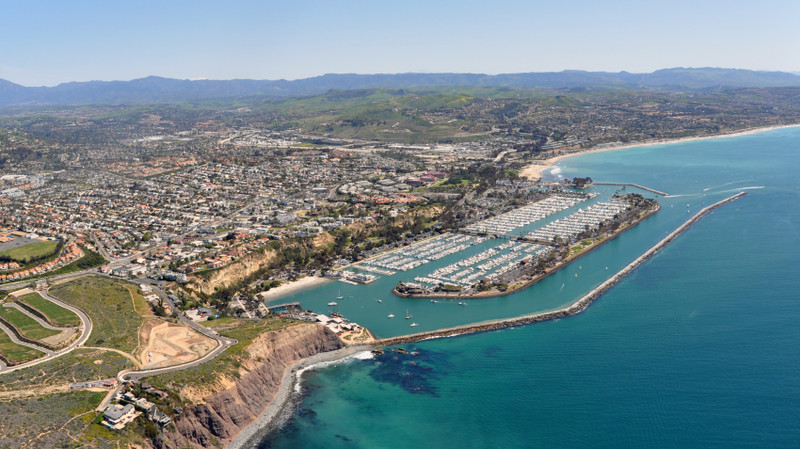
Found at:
(493, 264)
(578, 306)
(696, 298)
(420, 253)
(523, 216)
(581, 221)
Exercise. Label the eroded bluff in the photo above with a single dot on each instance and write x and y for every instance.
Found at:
(221, 411)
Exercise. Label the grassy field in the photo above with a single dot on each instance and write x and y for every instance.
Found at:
(32, 250)
(26, 325)
(79, 365)
(583, 245)
(110, 305)
(16, 353)
(56, 315)
(226, 363)
(219, 323)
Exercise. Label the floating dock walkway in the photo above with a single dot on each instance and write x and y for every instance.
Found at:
(576, 307)
(500, 235)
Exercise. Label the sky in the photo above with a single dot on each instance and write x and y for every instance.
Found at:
(54, 41)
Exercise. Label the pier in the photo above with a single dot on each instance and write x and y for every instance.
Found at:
(628, 184)
(575, 308)
(286, 305)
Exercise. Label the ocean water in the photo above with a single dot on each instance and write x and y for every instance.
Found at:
(698, 348)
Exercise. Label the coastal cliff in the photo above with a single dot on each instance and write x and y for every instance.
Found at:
(220, 411)
(234, 272)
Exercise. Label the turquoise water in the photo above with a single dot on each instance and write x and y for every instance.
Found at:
(697, 348)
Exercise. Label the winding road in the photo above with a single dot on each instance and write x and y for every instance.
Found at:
(223, 343)
(85, 329)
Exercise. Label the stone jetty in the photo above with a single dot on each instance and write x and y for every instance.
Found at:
(575, 308)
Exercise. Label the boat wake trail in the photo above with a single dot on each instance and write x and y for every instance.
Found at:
(685, 195)
(741, 189)
(693, 195)
(726, 184)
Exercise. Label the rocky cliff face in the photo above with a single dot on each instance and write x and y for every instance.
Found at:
(240, 269)
(218, 416)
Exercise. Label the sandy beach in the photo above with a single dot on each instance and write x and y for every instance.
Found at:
(288, 287)
(534, 171)
(279, 407)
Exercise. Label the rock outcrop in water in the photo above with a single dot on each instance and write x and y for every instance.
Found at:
(222, 411)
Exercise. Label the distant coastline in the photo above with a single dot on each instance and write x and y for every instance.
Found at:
(534, 170)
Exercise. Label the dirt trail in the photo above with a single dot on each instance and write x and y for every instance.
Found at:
(55, 430)
(122, 353)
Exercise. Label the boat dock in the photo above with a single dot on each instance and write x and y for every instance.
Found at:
(575, 308)
(519, 238)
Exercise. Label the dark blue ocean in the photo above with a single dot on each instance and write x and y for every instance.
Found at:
(698, 348)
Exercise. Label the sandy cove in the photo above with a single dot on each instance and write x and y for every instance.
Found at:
(293, 287)
(534, 170)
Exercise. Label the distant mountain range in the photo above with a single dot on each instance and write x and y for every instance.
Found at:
(155, 89)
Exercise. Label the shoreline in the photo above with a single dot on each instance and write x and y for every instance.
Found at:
(572, 309)
(288, 287)
(534, 170)
(269, 420)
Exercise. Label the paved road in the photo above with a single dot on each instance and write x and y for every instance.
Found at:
(85, 329)
(16, 340)
(223, 342)
(86, 323)
(25, 282)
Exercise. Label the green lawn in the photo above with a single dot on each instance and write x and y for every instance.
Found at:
(26, 325)
(16, 353)
(108, 304)
(32, 250)
(56, 315)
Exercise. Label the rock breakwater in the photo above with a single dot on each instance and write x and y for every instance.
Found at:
(575, 308)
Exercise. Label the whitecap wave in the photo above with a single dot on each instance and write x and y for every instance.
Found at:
(298, 386)
(365, 355)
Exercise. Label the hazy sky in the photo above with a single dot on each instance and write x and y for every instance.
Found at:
(50, 42)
